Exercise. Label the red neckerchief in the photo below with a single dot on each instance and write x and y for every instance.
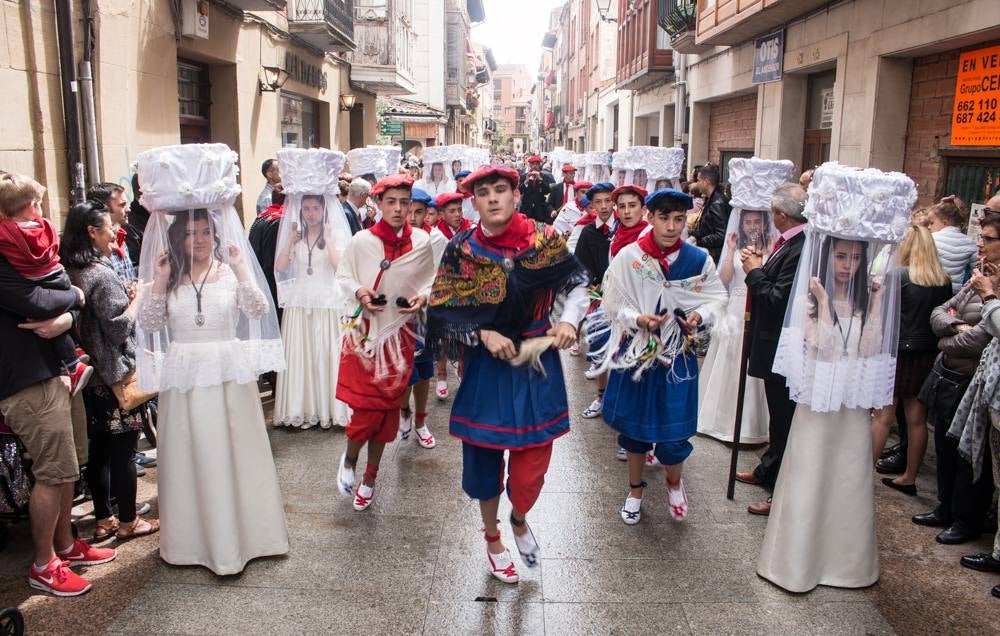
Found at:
(426, 228)
(395, 246)
(273, 212)
(649, 246)
(587, 219)
(519, 235)
(448, 232)
(119, 247)
(32, 251)
(626, 236)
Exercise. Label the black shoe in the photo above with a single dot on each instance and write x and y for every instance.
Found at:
(981, 562)
(956, 533)
(932, 519)
(996, 591)
(906, 489)
(892, 465)
(895, 448)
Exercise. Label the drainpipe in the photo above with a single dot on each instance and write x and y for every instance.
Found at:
(71, 114)
(87, 96)
(680, 98)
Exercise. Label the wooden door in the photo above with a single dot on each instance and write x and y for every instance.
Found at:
(815, 148)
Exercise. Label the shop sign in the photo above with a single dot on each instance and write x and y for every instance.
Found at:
(390, 128)
(976, 113)
(768, 57)
(304, 72)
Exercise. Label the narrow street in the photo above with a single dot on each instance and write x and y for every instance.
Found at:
(414, 563)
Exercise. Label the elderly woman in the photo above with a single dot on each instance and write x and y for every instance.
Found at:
(107, 329)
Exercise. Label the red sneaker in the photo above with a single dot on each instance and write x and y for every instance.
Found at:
(82, 355)
(82, 553)
(79, 378)
(56, 578)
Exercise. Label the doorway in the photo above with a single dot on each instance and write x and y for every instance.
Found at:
(819, 119)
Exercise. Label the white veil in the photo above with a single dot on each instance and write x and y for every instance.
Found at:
(838, 344)
(436, 156)
(216, 328)
(305, 261)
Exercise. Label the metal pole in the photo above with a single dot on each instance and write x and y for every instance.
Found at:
(71, 111)
(738, 427)
(87, 94)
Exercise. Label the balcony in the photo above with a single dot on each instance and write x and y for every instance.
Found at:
(679, 18)
(382, 63)
(644, 55)
(731, 22)
(326, 24)
(258, 5)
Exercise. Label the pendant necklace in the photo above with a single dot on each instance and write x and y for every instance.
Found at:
(309, 249)
(199, 318)
(850, 326)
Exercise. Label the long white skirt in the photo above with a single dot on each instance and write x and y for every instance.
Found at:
(220, 504)
(821, 530)
(305, 395)
(718, 385)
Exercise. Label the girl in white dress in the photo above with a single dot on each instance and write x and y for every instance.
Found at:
(312, 238)
(837, 351)
(753, 183)
(206, 330)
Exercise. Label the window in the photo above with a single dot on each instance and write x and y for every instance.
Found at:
(726, 155)
(299, 122)
(193, 89)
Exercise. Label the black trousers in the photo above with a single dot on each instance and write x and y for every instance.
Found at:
(111, 472)
(961, 499)
(782, 410)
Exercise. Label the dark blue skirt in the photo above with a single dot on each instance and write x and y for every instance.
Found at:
(507, 407)
(657, 408)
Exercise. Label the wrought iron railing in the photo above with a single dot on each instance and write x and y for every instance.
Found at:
(337, 13)
(677, 16)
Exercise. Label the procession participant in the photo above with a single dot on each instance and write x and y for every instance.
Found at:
(452, 222)
(561, 193)
(263, 239)
(572, 212)
(587, 207)
(754, 182)
(206, 330)
(389, 270)
(710, 233)
(423, 362)
(468, 210)
(494, 293)
(437, 173)
(658, 291)
(534, 189)
(837, 352)
(312, 238)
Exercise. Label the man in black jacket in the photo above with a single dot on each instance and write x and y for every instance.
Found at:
(561, 193)
(711, 231)
(770, 287)
(534, 188)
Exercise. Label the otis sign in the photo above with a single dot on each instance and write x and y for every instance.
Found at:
(768, 57)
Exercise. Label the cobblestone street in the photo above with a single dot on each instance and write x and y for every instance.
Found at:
(414, 563)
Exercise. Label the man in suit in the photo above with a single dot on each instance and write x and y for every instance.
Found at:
(534, 187)
(355, 205)
(770, 286)
(711, 231)
(561, 193)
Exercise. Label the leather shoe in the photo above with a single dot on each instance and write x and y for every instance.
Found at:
(891, 465)
(886, 452)
(762, 508)
(981, 562)
(932, 519)
(996, 591)
(955, 534)
(906, 489)
(749, 477)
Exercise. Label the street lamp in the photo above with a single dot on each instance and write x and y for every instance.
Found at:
(274, 77)
(603, 8)
(347, 101)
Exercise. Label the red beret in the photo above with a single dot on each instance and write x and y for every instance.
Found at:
(399, 180)
(469, 185)
(534, 158)
(445, 198)
(582, 185)
(569, 168)
(634, 189)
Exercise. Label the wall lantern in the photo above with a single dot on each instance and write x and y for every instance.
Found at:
(274, 77)
(347, 101)
(603, 8)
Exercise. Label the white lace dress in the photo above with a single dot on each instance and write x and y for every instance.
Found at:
(718, 383)
(220, 504)
(310, 329)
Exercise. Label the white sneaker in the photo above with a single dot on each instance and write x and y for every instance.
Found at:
(424, 437)
(651, 459)
(442, 390)
(677, 502)
(592, 372)
(502, 566)
(594, 409)
(621, 455)
(528, 546)
(574, 350)
(405, 425)
(345, 477)
(142, 508)
(631, 510)
(364, 497)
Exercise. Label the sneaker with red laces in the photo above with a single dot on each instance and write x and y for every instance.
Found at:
(677, 502)
(442, 389)
(82, 553)
(363, 497)
(79, 377)
(502, 566)
(56, 578)
(425, 438)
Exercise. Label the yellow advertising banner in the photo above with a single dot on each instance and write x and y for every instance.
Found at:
(976, 115)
